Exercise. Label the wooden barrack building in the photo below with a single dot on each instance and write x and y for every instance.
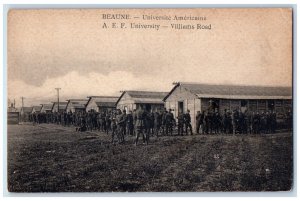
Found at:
(101, 103)
(76, 105)
(201, 97)
(151, 100)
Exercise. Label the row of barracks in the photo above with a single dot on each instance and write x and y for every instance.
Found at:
(183, 96)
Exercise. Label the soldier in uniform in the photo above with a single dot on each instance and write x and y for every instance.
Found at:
(103, 122)
(289, 120)
(120, 126)
(124, 119)
(269, 122)
(198, 121)
(205, 122)
(163, 122)
(99, 121)
(250, 116)
(139, 125)
(187, 122)
(263, 123)
(147, 123)
(169, 122)
(157, 122)
(235, 122)
(129, 123)
(134, 119)
(226, 122)
(113, 128)
(107, 122)
(34, 121)
(209, 122)
(218, 122)
(256, 123)
(273, 122)
(151, 116)
(180, 123)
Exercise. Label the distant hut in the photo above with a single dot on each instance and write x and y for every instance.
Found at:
(62, 107)
(13, 114)
(101, 103)
(46, 108)
(151, 100)
(201, 97)
(76, 105)
(12, 108)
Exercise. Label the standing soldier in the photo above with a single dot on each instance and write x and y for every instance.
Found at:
(256, 123)
(235, 122)
(273, 122)
(113, 128)
(263, 123)
(130, 123)
(187, 122)
(103, 128)
(120, 126)
(250, 122)
(180, 123)
(169, 122)
(107, 122)
(90, 121)
(139, 125)
(218, 123)
(289, 120)
(124, 120)
(157, 122)
(99, 121)
(209, 122)
(134, 119)
(198, 121)
(163, 122)
(269, 122)
(147, 123)
(205, 122)
(226, 122)
(34, 118)
(152, 123)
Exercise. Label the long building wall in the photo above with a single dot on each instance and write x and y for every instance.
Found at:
(193, 103)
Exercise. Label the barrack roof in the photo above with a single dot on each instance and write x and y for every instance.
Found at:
(103, 100)
(77, 103)
(62, 105)
(145, 96)
(235, 91)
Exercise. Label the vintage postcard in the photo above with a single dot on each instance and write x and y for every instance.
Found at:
(150, 100)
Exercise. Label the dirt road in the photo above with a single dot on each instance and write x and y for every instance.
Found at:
(51, 158)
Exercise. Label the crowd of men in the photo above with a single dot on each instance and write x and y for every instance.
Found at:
(238, 122)
(143, 123)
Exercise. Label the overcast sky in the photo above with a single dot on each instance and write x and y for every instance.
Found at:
(71, 50)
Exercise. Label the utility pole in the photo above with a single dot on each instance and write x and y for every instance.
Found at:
(22, 103)
(22, 109)
(57, 89)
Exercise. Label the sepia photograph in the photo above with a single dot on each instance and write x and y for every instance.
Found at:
(150, 100)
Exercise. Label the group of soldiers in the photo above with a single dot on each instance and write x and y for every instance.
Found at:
(143, 123)
(237, 122)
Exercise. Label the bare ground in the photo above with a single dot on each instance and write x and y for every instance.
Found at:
(51, 158)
